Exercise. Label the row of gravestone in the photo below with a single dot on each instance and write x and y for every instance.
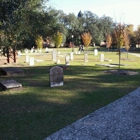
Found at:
(56, 77)
(67, 58)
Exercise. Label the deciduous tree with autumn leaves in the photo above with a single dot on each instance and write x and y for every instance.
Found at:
(86, 38)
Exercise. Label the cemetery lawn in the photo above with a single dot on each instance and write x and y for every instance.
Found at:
(36, 111)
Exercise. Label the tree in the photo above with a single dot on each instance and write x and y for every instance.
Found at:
(120, 38)
(86, 38)
(15, 18)
(39, 42)
(127, 43)
(58, 38)
(108, 41)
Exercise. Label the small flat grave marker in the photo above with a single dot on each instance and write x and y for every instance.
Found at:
(9, 84)
(118, 64)
(108, 60)
(12, 71)
(38, 60)
(56, 76)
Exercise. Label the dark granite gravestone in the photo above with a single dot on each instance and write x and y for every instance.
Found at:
(11, 71)
(9, 84)
(56, 76)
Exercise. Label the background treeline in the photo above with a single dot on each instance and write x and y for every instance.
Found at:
(22, 21)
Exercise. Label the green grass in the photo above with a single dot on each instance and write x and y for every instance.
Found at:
(35, 111)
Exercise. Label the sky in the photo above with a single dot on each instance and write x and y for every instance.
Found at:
(122, 11)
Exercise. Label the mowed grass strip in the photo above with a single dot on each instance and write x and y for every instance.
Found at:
(35, 111)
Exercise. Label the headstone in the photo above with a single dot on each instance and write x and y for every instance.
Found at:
(95, 52)
(101, 57)
(67, 60)
(32, 50)
(27, 58)
(8, 84)
(19, 53)
(137, 45)
(58, 52)
(11, 71)
(26, 50)
(86, 57)
(58, 61)
(31, 63)
(46, 50)
(54, 53)
(56, 76)
(39, 50)
(71, 56)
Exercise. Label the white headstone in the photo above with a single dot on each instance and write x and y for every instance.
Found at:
(46, 50)
(54, 53)
(27, 58)
(101, 57)
(31, 63)
(58, 61)
(58, 52)
(19, 53)
(71, 56)
(39, 50)
(67, 60)
(26, 50)
(86, 57)
(95, 52)
(32, 50)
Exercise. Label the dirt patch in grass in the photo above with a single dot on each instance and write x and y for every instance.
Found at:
(121, 72)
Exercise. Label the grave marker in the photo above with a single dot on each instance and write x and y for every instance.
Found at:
(86, 57)
(56, 76)
(71, 56)
(95, 52)
(54, 53)
(8, 84)
(31, 63)
(27, 58)
(101, 57)
(67, 60)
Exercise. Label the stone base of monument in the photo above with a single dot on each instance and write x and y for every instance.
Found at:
(10, 84)
(11, 71)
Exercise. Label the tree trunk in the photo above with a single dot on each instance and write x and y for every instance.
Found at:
(8, 57)
(119, 58)
(14, 55)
